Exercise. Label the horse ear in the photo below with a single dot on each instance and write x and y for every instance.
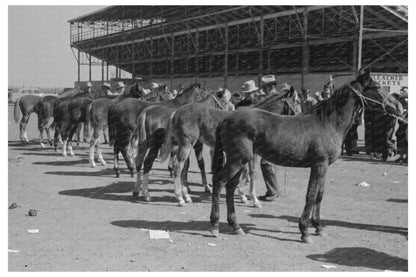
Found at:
(292, 89)
(363, 73)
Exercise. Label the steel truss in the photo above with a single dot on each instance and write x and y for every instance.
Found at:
(188, 41)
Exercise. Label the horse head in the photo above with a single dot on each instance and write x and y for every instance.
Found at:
(376, 98)
(135, 90)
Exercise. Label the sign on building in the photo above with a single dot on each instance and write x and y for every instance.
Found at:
(391, 82)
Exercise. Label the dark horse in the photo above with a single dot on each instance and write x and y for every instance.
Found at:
(152, 125)
(122, 118)
(97, 117)
(194, 124)
(45, 113)
(69, 113)
(307, 140)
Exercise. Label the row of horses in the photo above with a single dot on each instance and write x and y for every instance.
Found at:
(270, 130)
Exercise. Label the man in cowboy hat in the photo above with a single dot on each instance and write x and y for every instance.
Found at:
(247, 90)
(224, 96)
(268, 170)
(120, 88)
(268, 85)
(106, 88)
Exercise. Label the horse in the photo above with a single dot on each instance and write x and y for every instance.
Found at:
(196, 123)
(122, 120)
(45, 113)
(63, 116)
(307, 140)
(152, 124)
(97, 118)
(26, 105)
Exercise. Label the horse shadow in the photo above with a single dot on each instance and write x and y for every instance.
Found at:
(361, 257)
(106, 172)
(63, 163)
(110, 192)
(362, 226)
(192, 227)
(397, 200)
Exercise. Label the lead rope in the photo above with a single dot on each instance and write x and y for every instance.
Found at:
(364, 99)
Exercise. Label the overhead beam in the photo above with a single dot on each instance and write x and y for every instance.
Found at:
(395, 13)
(216, 26)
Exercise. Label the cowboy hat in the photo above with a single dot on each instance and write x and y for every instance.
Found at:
(154, 85)
(249, 86)
(106, 84)
(120, 85)
(268, 80)
(88, 84)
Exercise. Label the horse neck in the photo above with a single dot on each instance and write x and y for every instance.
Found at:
(341, 116)
(274, 104)
(186, 97)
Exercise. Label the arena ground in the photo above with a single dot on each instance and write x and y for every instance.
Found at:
(89, 221)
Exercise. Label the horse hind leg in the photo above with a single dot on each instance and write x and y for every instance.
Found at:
(317, 177)
(315, 219)
(198, 147)
(235, 172)
(178, 164)
(252, 174)
(22, 125)
(244, 180)
(184, 181)
(148, 162)
(116, 161)
(141, 153)
(127, 158)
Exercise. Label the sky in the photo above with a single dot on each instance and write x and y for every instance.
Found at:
(39, 51)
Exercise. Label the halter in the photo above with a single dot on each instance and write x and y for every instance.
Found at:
(364, 100)
(217, 102)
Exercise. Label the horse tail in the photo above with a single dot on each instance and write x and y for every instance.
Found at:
(17, 110)
(167, 144)
(112, 128)
(218, 159)
(140, 132)
(89, 116)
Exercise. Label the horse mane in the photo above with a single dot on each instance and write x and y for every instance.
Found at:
(271, 99)
(323, 108)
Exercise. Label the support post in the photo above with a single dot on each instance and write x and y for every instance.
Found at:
(89, 67)
(305, 49)
(261, 49)
(226, 56)
(133, 73)
(360, 39)
(79, 65)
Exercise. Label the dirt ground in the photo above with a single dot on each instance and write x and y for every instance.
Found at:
(89, 221)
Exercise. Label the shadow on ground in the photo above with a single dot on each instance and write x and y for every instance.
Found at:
(362, 226)
(362, 257)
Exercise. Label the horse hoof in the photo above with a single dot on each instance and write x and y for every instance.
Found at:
(257, 205)
(93, 165)
(148, 199)
(42, 145)
(208, 189)
(188, 199)
(72, 155)
(181, 203)
(64, 154)
(239, 232)
(244, 199)
(307, 239)
(103, 163)
(215, 232)
(321, 233)
(135, 194)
